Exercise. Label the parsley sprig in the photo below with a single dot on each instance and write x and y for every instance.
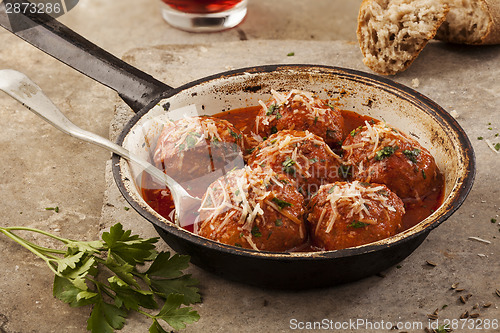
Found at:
(104, 274)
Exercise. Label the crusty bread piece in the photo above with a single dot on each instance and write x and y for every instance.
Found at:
(391, 33)
(471, 22)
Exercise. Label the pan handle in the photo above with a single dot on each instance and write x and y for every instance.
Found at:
(136, 88)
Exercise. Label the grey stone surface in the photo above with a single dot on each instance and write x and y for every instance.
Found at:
(41, 167)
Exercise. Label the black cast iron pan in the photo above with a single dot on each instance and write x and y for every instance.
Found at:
(362, 92)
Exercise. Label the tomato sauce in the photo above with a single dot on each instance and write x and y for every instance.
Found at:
(244, 120)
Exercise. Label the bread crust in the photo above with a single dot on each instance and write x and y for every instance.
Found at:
(386, 68)
(462, 34)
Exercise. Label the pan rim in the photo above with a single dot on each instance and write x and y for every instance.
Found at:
(457, 196)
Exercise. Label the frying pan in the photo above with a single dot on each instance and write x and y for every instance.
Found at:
(362, 92)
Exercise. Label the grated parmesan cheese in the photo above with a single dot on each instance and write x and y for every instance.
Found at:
(356, 199)
(241, 192)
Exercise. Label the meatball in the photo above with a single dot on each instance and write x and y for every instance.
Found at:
(380, 153)
(253, 208)
(344, 215)
(189, 149)
(301, 111)
(302, 156)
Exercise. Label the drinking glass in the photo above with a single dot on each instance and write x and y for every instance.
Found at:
(204, 15)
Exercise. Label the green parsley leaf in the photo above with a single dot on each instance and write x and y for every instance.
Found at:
(66, 291)
(278, 222)
(169, 267)
(272, 109)
(174, 315)
(184, 285)
(131, 249)
(288, 166)
(235, 135)
(281, 203)
(69, 261)
(131, 298)
(412, 154)
(79, 279)
(385, 152)
(445, 328)
(331, 189)
(345, 171)
(256, 231)
(330, 133)
(105, 318)
(156, 327)
(358, 224)
(290, 54)
(166, 277)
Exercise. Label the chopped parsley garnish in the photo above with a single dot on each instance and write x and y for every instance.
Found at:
(412, 154)
(497, 147)
(288, 164)
(278, 115)
(315, 120)
(190, 141)
(331, 189)
(235, 135)
(424, 175)
(274, 130)
(281, 203)
(353, 133)
(383, 192)
(278, 222)
(345, 171)
(480, 138)
(330, 133)
(385, 152)
(313, 160)
(271, 109)
(357, 224)
(256, 231)
(290, 54)
(55, 209)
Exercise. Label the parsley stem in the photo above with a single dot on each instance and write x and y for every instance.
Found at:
(46, 250)
(64, 240)
(146, 314)
(21, 241)
(101, 287)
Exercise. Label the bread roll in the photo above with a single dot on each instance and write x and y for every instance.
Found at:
(391, 33)
(471, 22)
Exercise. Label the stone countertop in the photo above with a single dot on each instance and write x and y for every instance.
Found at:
(43, 168)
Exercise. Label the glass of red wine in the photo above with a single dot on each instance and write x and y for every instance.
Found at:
(204, 15)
